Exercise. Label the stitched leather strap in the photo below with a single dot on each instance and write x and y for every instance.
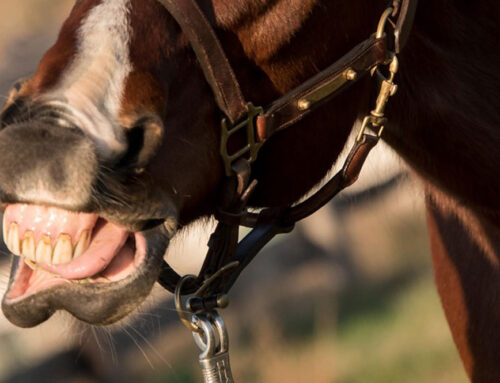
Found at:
(211, 57)
(288, 110)
(344, 178)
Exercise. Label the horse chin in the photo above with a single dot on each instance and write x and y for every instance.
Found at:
(122, 281)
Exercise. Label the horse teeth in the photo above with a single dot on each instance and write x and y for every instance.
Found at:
(44, 250)
(12, 239)
(63, 250)
(28, 246)
(82, 244)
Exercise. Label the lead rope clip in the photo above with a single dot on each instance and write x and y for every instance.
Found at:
(209, 331)
(213, 341)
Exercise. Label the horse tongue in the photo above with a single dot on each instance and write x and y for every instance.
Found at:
(107, 241)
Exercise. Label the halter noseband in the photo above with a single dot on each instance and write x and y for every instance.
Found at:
(227, 258)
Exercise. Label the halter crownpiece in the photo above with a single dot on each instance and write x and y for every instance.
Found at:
(226, 257)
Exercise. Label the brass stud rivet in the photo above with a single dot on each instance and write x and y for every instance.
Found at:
(304, 104)
(351, 74)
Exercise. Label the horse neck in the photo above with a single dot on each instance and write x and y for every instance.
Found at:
(446, 116)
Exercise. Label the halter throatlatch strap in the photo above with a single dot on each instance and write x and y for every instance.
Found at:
(227, 257)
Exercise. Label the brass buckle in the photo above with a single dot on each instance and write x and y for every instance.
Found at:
(251, 148)
(375, 124)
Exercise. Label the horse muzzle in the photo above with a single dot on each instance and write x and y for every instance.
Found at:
(74, 247)
(46, 164)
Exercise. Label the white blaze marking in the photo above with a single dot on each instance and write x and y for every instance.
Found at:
(93, 84)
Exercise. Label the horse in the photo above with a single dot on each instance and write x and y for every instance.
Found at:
(113, 144)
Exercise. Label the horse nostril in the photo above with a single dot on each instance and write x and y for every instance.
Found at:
(135, 141)
(143, 141)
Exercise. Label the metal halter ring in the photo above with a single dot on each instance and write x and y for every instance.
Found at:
(221, 301)
(181, 310)
(383, 22)
(210, 280)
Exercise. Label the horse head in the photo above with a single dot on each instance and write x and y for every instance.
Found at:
(114, 142)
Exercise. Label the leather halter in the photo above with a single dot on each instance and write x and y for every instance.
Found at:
(227, 258)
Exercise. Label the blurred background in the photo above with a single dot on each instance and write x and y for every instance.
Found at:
(348, 297)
